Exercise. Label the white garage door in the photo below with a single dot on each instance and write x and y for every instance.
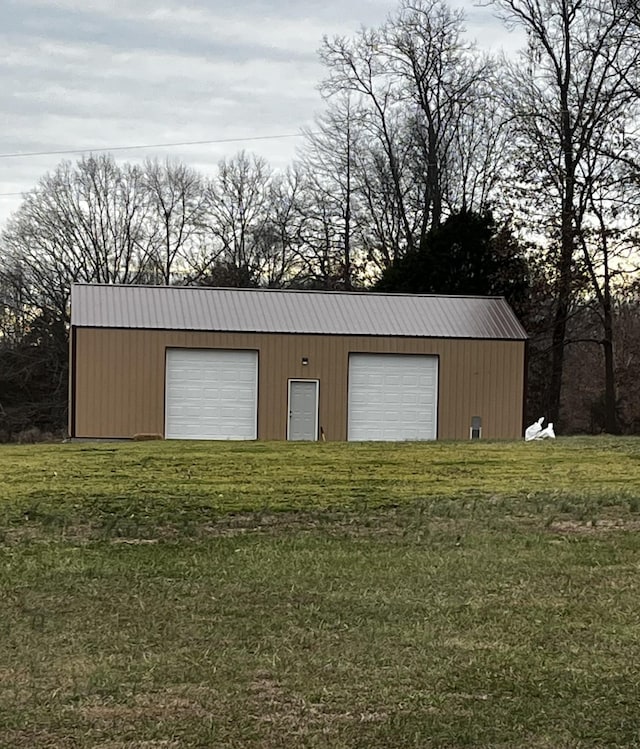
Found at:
(211, 394)
(392, 397)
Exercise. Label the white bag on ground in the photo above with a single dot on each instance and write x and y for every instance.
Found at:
(546, 433)
(534, 430)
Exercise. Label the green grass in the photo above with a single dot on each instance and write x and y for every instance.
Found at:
(330, 595)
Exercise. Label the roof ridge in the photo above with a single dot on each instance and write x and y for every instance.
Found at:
(262, 289)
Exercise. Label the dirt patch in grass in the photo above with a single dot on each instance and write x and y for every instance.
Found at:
(32, 738)
(593, 527)
(417, 522)
(153, 744)
(286, 711)
(149, 707)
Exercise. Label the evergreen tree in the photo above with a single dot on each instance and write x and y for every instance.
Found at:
(467, 254)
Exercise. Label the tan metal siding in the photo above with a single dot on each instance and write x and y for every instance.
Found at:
(120, 373)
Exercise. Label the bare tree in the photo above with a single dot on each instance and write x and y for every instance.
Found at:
(425, 99)
(84, 222)
(571, 89)
(441, 79)
(332, 162)
(278, 260)
(361, 67)
(237, 208)
(175, 196)
(609, 212)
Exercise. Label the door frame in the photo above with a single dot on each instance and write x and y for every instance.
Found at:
(317, 407)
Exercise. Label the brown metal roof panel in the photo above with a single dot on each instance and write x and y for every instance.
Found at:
(263, 310)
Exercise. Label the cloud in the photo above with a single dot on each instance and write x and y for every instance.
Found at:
(99, 73)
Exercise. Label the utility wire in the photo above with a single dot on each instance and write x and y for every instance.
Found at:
(145, 145)
(27, 154)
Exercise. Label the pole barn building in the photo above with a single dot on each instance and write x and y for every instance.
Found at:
(245, 364)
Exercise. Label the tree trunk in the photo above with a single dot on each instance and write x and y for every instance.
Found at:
(610, 416)
(567, 236)
(557, 359)
(347, 218)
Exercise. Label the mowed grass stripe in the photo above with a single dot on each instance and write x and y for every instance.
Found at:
(191, 482)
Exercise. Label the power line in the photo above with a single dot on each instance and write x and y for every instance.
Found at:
(28, 154)
(136, 148)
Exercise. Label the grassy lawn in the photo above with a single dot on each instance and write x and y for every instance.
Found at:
(330, 595)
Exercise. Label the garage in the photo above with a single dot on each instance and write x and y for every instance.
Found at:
(186, 362)
(392, 397)
(211, 394)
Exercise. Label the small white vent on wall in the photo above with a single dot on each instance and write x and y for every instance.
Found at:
(475, 431)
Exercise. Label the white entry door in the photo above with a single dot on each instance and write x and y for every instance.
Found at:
(211, 394)
(303, 410)
(392, 397)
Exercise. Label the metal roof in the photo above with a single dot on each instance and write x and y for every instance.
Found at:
(276, 311)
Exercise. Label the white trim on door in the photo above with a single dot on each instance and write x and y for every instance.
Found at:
(317, 405)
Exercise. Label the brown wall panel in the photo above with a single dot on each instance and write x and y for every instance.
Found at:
(119, 379)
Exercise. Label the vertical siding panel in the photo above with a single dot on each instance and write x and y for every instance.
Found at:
(455, 385)
(486, 387)
(83, 357)
(504, 397)
(472, 374)
(130, 401)
(499, 364)
(332, 381)
(502, 394)
(477, 354)
(461, 391)
(486, 384)
(491, 388)
(98, 375)
(517, 366)
(264, 403)
(446, 374)
(132, 356)
(109, 386)
(269, 359)
(153, 351)
(474, 359)
(136, 349)
(467, 385)
(83, 353)
(341, 396)
(279, 390)
(464, 387)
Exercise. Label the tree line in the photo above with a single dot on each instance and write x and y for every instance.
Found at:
(433, 168)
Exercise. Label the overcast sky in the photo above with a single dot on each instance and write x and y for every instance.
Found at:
(82, 74)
